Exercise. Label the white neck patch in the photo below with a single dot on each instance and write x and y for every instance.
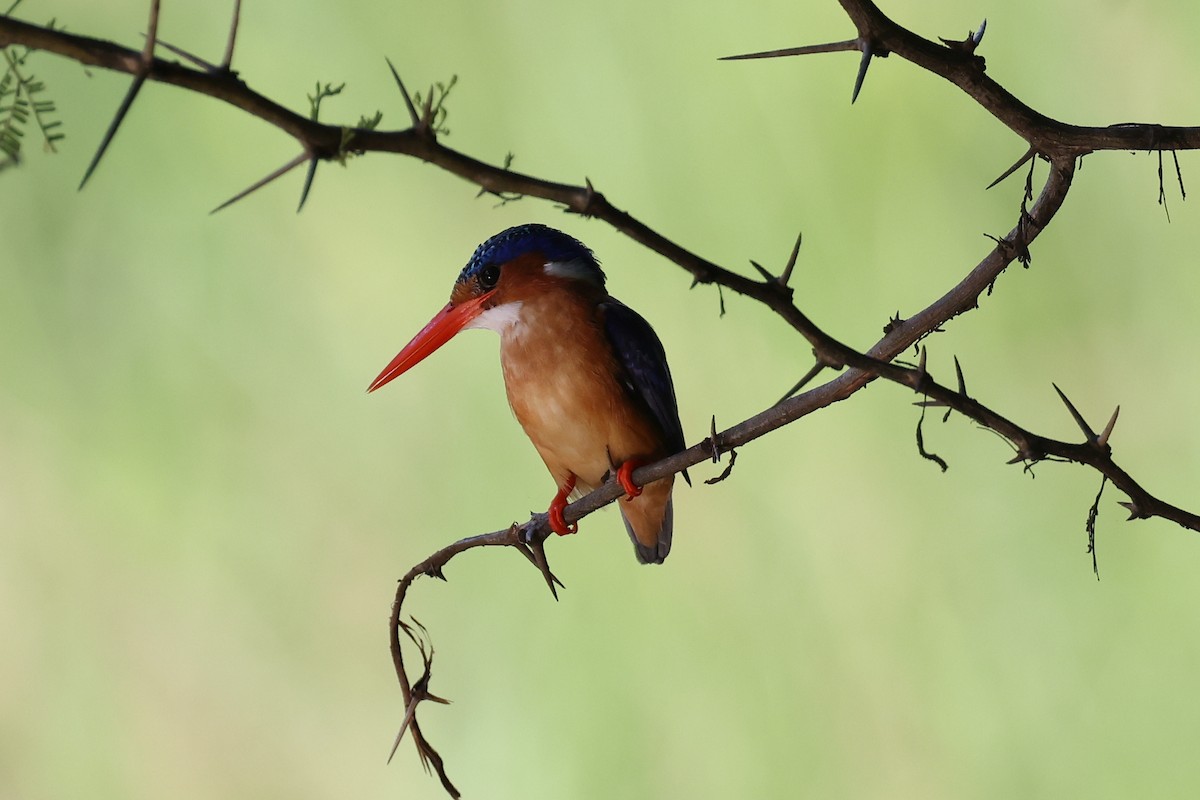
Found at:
(576, 269)
(500, 319)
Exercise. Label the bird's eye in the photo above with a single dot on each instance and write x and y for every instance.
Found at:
(488, 277)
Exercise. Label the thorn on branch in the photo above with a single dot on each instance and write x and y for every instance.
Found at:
(420, 688)
(227, 59)
(538, 548)
(868, 51)
(408, 102)
(196, 60)
(893, 322)
(812, 49)
(1028, 456)
(962, 384)
(286, 168)
(139, 79)
(1102, 440)
(308, 181)
(1088, 433)
(530, 541)
(864, 45)
(969, 44)
(813, 372)
(714, 448)
(1135, 511)
(785, 277)
(781, 280)
(1030, 153)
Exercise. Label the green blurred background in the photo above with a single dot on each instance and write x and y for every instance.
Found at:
(203, 515)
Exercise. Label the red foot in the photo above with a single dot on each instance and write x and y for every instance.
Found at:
(625, 478)
(557, 523)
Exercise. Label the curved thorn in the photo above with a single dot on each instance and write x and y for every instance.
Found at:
(308, 180)
(977, 37)
(962, 384)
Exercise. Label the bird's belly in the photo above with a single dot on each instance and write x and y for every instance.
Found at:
(578, 419)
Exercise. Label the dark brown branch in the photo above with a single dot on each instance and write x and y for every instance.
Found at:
(1060, 143)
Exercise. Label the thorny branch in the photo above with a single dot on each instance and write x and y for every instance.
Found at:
(1058, 143)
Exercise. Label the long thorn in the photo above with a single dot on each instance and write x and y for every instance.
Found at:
(151, 36)
(139, 79)
(962, 384)
(408, 717)
(831, 47)
(227, 59)
(408, 103)
(808, 376)
(539, 551)
(207, 66)
(286, 168)
(1020, 161)
(1079, 420)
(122, 110)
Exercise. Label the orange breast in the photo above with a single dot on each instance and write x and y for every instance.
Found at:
(561, 378)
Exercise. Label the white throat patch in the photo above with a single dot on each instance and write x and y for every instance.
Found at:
(500, 319)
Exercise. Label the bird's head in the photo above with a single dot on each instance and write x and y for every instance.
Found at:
(507, 270)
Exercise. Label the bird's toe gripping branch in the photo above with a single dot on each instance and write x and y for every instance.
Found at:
(625, 478)
(558, 524)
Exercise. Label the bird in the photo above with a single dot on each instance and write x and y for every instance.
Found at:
(586, 376)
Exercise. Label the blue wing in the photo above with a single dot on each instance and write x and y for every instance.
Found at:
(647, 377)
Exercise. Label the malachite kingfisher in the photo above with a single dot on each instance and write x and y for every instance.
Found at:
(586, 376)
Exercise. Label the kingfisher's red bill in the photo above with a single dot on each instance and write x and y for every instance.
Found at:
(586, 375)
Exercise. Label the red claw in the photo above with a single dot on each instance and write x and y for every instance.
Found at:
(557, 523)
(625, 478)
